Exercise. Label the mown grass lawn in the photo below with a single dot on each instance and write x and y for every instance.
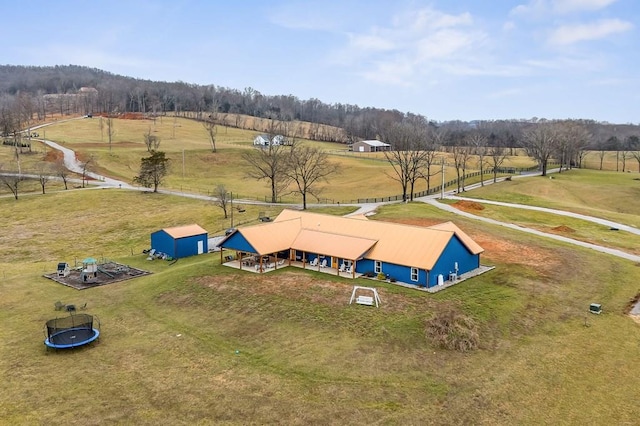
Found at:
(199, 343)
(609, 195)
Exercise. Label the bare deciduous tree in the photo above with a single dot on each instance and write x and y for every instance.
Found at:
(62, 171)
(86, 167)
(110, 130)
(270, 163)
(308, 166)
(540, 144)
(479, 144)
(497, 155)
(152, 142)
(12, 181)
(222, 198)
(461, 156)
(408, 154)
(44, 175)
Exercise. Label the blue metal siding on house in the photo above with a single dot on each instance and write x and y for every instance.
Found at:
(238, 242)
(398, 272)
(455, 251)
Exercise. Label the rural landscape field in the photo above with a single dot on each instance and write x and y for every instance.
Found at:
(198, 343)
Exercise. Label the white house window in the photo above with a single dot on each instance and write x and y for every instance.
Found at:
(377, 266)
(414, 274)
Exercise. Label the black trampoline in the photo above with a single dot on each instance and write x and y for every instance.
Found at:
(72, 331)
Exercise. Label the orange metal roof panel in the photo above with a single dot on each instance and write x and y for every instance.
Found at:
(185, 231)
(398, 243)
(271, 237)
(344, 246)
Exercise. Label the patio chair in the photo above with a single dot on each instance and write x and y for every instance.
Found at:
(348, 270)
(314, 262)
(324, 263)
(342, 266)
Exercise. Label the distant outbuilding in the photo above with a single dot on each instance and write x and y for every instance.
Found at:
(180, 241)
(371, 146)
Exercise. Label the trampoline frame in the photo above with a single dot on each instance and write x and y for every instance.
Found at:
(88, 335)
(50, 344)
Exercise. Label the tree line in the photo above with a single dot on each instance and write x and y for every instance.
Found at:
(34, 92)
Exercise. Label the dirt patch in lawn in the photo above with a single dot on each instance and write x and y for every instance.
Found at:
(468, 206)
(562, 229)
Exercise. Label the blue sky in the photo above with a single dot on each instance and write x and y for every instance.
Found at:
(445, 59)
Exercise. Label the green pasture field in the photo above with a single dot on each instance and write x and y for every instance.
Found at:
(609, 195)
(195, 169)
(198, 343)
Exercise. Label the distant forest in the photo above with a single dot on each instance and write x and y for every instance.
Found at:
(30, 93)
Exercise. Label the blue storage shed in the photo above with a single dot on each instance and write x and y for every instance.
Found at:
(180, 241)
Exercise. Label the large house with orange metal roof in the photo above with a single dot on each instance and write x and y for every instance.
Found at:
(354, 246)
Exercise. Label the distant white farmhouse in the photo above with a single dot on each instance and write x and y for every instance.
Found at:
(264, 140)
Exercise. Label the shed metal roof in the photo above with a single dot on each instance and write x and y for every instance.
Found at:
(185, 231)
(374, 142)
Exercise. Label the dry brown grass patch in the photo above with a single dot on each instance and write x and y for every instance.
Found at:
(468, 206)
(563, 229)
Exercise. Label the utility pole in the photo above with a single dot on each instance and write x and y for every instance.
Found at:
(231, 208)
(442, 187)
(182, 163)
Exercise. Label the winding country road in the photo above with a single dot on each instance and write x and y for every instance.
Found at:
(72, 163)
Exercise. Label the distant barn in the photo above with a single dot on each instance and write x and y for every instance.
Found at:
(370, 146)
(180, 241)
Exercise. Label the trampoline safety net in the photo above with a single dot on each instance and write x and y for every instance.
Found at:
(79, 321)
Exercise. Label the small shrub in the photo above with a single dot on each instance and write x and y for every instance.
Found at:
(451, 329)
(382, 276)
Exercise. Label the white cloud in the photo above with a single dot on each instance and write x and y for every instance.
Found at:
(539, 8)
(371, 42)
(413, 46)
(570, 34)
(568, 6)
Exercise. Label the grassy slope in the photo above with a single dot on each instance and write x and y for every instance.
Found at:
(610, 195)
(168, 349)
(186, 143)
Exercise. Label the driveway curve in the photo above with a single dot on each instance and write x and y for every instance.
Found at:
(601, 249)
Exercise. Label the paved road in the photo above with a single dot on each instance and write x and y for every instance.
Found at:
(597, 220)
(596, 247)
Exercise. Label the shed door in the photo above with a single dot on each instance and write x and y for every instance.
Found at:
(200, 247)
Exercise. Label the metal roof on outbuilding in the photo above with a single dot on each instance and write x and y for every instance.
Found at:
(185, 231)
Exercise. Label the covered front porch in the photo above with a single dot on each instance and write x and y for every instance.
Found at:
(259, 264)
